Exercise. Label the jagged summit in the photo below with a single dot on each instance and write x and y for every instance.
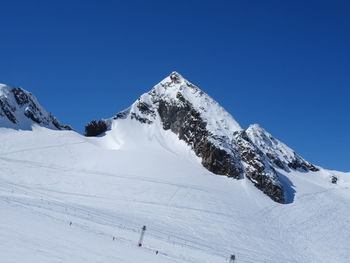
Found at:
(213, 134)
(19, 109)
(175, 78)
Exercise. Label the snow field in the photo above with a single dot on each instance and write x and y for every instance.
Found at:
(113, 185)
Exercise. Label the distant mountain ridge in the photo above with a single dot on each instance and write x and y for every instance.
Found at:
(19, 109)
(213, 134)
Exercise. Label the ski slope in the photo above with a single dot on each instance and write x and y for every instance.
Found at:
(113, 185)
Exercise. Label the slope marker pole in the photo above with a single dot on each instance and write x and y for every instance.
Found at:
(142, 235)
(232, 259)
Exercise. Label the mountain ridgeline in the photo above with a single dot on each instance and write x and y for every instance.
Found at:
(19, 109)
(213, 134)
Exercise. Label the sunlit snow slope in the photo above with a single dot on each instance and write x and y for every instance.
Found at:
(134, 176)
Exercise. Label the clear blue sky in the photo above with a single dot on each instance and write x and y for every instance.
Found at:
(282, 64)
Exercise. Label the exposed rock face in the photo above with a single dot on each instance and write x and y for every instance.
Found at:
(7, 110)
(334, 179)
(258, 168)
(95, 128)
(20, 109)
(212, 133)
(186, 122)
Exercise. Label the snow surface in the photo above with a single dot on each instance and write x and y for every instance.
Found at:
(134, 176)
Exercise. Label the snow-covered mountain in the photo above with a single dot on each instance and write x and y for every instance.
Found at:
(19, 109)
(213, 134)
(65, 197)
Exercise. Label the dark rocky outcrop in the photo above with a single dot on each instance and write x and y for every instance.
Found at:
(259, 170)
(7, 110)
(95, 128)
(334, 179)
(21, 96)
(300, 164)
(186, 122)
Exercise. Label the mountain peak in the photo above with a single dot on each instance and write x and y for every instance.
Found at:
(212, 133)
(19, 109)
(176, 77)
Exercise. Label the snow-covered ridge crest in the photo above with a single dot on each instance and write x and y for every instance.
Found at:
(280, 154)
(19, 109)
